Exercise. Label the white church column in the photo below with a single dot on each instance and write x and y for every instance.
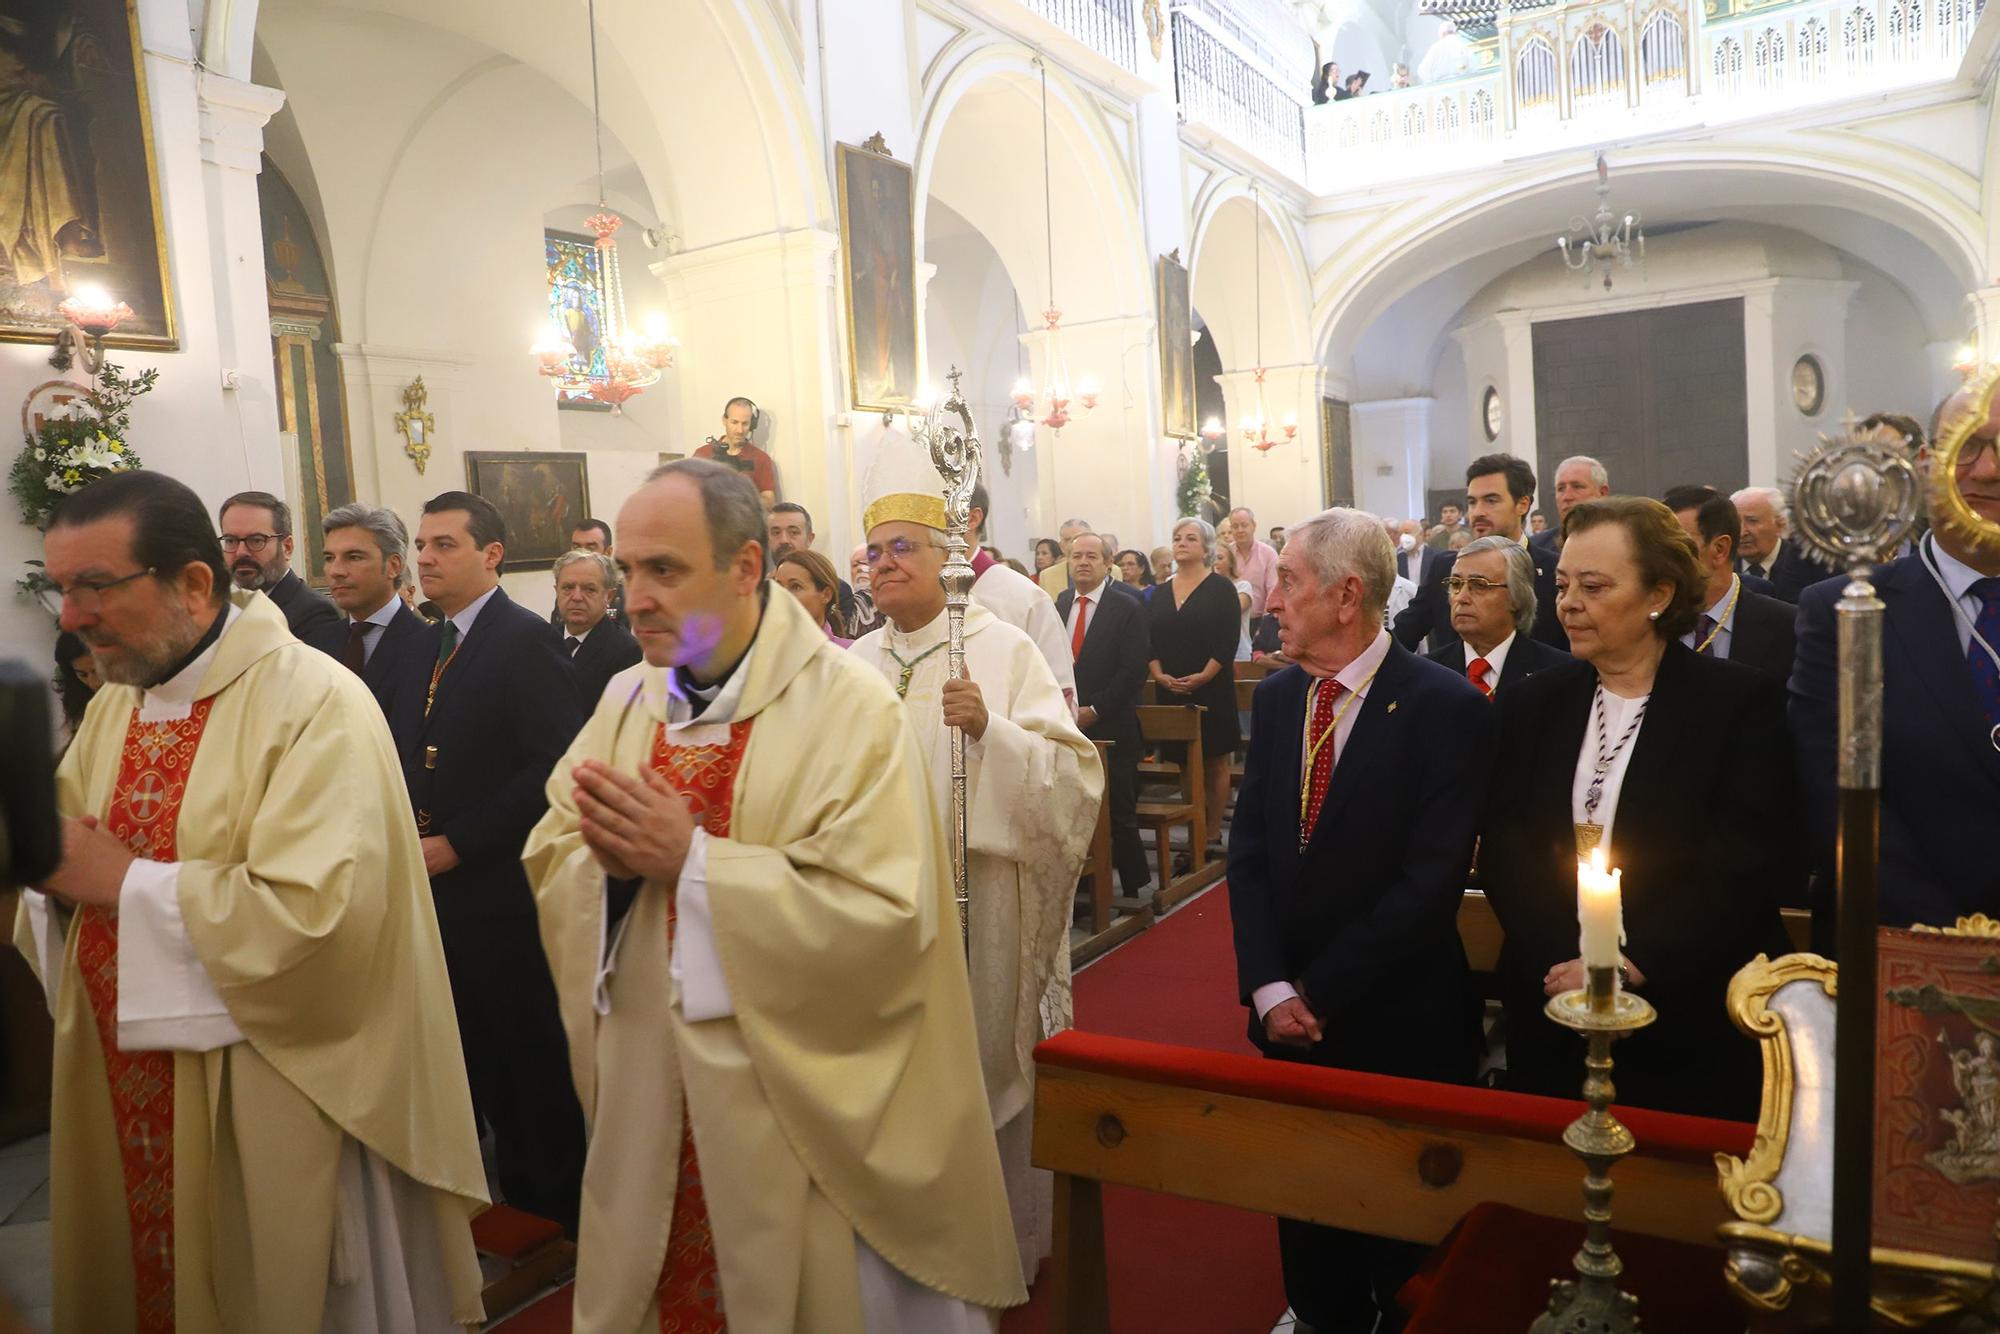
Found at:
(233, 114)
(1105, 466)
(1517, 394)
(1285, 483)
(1392, 455)
(757, 317)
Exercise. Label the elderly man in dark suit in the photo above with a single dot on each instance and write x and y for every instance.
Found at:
(1107, 635)
(366, 548)
(1940, 715)
(257, 543)
(484, 710)
(1578, 478)
(1347, 863)
(1737, 622)
(1766, 552)
(597, 647)
(1493, 607)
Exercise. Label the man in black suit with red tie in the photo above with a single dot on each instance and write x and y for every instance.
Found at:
(1108, 639)
(1493, 609)
(1347, 863)
(485, 708)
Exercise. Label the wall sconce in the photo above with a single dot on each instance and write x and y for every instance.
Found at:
(92, 314)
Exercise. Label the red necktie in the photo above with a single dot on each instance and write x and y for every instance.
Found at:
(1076, 635)
(1320, 743)
(1475, 671)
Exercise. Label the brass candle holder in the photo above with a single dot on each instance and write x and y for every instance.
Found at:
(1592, 1301)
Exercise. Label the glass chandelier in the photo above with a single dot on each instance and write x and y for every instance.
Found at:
(1604, 242)
(633, 360)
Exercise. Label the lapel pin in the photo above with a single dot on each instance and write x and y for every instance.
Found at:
(1392, 706)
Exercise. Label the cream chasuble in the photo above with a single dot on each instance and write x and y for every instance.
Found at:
(811, 1014)
(278, 965)
(1032, 796)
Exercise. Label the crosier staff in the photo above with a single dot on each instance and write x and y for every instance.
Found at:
(955, 454)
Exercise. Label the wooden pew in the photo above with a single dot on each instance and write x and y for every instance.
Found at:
(1178, 725)
(1098, 875)
(1394, 1157)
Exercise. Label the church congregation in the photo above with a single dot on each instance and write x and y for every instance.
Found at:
(1000, 667)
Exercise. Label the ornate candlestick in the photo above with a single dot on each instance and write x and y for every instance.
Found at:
(1592, 1302)
(1854, 501)
(955, 454)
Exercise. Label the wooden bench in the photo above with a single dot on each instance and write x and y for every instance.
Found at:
(1178, 725)
(1394, 1157)
(1099, 883)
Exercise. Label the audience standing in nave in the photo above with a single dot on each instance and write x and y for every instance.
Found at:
(1767, 553)
(1194, 623)
(1162, 561)
(1736, 622)
(597, 647)
(257, 542)
(76, 680)
(485, 706)
(1020, 602)
(808, 576)
(1107, 633)
(367, 549)
(1031, 805)
(1578, 478)
(1347, 863)
(1225, 565)
(1134, 571)
(1493, 605)
(1500, 489)
(1940, 713)
(791, 529)
(1676, 764)
(698, 816)
(595, 535)
(1256, 560)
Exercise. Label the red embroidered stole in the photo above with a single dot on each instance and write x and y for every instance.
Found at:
(145, 809)
(690, 1283)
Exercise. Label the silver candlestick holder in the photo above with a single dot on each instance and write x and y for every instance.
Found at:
(1592, 1302)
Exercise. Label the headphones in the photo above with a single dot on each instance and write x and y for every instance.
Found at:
(756, 413)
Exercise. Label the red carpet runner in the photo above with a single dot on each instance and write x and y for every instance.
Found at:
(1176, 1264)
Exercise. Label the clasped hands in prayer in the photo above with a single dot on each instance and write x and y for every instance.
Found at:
(637, 826)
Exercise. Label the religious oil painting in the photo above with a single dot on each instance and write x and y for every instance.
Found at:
(80, 198)
(878, 241)
(541, 494)
(577, 306)
(1176, 349)
(1937, 1094)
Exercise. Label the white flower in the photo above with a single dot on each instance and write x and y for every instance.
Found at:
(41, 455)
(95, 455)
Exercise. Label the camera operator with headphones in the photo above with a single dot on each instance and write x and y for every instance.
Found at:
(740, 419)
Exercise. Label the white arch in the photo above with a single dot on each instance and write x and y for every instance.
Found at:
(1220, 276)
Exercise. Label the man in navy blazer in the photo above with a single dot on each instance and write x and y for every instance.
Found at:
(1112, 653)
(1499, 491)
(1347, 947)
(366, 548)
(484, 710)
(1940, 729)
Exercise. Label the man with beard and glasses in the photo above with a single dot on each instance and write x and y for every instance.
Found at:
(260, 1115)
(257, 543)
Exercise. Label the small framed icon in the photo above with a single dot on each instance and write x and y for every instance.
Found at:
(1808, 385)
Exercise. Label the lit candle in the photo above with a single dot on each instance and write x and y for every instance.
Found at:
(1599, 911)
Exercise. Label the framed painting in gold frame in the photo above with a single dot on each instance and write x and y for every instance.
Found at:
(81, 173)
(878, 227)
(1177, 408)
(542, 494)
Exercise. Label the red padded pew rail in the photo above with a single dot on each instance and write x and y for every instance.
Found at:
(1413, 1101)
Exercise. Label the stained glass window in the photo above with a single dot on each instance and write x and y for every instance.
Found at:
(576, 303)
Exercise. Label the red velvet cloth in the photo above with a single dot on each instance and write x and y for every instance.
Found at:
(1413, 1101)
(1493, 1272)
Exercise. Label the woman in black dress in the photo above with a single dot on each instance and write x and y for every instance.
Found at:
(1682, 766)
(1195, 619)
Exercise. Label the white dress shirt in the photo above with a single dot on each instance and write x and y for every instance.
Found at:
(377, 621)
(1958, 580)
(1355, 679)
(470, 612)
(1618, 713)
(1723, 609)
(1495, 659)
(1096, 596)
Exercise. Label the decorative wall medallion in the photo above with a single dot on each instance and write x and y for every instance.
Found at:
(51, 398)
(1156, 26)
(417, 425)
(1491, 413)
(1808, 385)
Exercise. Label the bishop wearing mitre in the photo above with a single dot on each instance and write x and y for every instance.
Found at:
(1031, 804)
(260, 1115)
(745, 895)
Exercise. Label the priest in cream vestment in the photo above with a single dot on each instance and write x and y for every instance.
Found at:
(1035, 782)
(260, 1119)
(745, 896)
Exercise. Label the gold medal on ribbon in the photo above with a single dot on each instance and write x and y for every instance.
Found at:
(1588, 837)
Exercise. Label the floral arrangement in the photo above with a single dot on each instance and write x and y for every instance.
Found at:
(1194, 487)
(69, 453)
